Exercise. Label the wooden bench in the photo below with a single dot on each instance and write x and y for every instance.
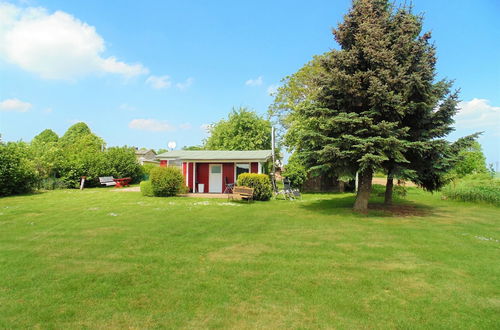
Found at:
(107, 181)
(241, 192)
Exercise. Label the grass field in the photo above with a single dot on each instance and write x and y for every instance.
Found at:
(104, 259)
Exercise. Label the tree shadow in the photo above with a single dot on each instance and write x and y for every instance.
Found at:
(26, 194)
(376, 208)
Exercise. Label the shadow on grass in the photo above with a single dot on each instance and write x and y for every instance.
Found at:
(33, 193)
(376, 208)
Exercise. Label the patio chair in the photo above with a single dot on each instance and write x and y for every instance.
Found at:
(229, 186)
(287, 191)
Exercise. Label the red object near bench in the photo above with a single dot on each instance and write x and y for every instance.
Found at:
(123, 182)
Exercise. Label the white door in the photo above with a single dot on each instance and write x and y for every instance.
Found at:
(215, 178)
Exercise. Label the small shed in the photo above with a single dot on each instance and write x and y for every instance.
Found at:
(213, 169)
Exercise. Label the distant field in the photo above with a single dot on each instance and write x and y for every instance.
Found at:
(104, 259)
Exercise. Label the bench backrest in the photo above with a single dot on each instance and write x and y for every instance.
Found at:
(241, 190)
(104, 179)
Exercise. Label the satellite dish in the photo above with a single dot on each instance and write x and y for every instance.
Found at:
(172, 144)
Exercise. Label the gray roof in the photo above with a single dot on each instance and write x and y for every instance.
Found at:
(216, 155)
(144, 151)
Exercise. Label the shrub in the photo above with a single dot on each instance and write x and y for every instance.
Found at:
(146, 169)
(166, 181)
(121, 162)
(17, 174)
(261, 184)
(51, 184)
(397, 190)
(147, 188)
(400, 191)
(295, 171)
(474, 188)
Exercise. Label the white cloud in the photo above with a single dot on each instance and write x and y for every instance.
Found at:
(477, 113)
(185, 126)
(14, 105)
(254, 82)
(185, 85)
(159, 82)
(48, 111)
(56, 45)
(152, 125)
(272, 89)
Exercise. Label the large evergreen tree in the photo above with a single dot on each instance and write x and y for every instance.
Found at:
(375, 103)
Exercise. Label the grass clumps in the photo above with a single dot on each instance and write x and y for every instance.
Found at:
(261, 184)
(474, 188)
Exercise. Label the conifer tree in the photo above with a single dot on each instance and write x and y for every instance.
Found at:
(376, 102)
(353, 126)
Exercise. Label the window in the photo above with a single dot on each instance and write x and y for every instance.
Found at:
(216, 169)
(242, 168)
(175, 163)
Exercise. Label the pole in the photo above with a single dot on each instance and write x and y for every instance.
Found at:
(274, 159)
(357, 182)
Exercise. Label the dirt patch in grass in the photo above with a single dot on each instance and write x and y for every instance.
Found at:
(400, 210)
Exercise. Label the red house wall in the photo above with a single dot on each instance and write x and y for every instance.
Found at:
(191, 173)
(202, 175)
(254, 167)
(227, 172)
(163, 163)
(184, 172)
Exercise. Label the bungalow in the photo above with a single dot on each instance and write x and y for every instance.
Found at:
(146, 156)
(208, 171)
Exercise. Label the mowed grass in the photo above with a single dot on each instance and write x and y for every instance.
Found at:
(104, 259)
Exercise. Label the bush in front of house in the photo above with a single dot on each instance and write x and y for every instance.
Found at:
(147, 189)
(146, 169)
(263, 190)
(166, 181)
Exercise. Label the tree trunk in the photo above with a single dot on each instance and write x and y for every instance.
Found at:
(364, 190)
(388, 189)
(341, 186)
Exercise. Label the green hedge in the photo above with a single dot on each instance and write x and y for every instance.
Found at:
(146, 169)
(147, 188)
(166, 181)
(261, 184)
(17, 174)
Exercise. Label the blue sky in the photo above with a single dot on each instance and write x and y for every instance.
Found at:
(143, 73)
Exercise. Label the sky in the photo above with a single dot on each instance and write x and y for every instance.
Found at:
(143, 73)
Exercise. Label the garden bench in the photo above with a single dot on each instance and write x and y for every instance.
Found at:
(242, 192)
(107, 181)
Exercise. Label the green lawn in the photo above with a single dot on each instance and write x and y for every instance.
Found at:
(104, 259)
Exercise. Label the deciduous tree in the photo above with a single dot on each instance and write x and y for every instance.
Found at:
(242, 130)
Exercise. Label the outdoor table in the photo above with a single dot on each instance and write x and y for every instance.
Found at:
(123, 182)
